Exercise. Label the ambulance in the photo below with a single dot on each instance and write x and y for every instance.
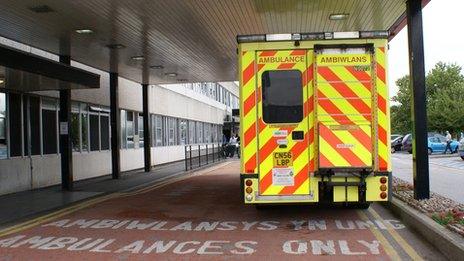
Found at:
(315, 120)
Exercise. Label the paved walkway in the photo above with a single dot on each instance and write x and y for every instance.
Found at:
(202, 216)
(18, 206)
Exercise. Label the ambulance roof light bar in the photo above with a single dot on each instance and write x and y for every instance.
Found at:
(311, 36)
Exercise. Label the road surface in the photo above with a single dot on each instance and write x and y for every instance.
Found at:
(446, 173)
(202, 217)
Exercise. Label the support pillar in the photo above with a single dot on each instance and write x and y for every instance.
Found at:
(418, 108)
(146, 128)
(115, 127)
(65, 137)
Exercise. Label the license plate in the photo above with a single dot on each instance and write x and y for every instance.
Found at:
(283, 159)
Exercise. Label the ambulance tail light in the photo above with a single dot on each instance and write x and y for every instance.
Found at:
(249, 182)
(383, 180)
(249, 190)
(383, 195)
(383, 187)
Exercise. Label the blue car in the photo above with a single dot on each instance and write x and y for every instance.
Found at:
(436, 144)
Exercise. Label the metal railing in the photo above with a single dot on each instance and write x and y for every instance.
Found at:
(198, 155)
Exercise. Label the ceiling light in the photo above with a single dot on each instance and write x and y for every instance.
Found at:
(157, 67)
(116, 46)
(338, 16)
(138, 58)
(172, 74)
(84, 31)
(1, 81)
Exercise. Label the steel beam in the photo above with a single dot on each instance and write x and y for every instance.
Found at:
(146, 128)
(67, 176)
(418, 101)
(19, 60)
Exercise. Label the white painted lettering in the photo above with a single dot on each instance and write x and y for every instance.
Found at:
(317, 224)
(268, 225)
(179, 247)
(206, 226)
(105, 223)
(248, 225)
(248, 250)
(183, 226)
(207, 247)
(349, 224)
(160, 226)
(365, 224)
(318, 247)
(227, 225)
(82, 223)
(380, 224)
(395, 224)
(133, 247)
(159, 247)
(373, 247)
(345, 249)
(121, 224)
(33, 241)
(140, 226)
(10, 241)
(295, 247)
(101, 248)
(79, 246)
(298, 224)
(58, 243)
(58, 223)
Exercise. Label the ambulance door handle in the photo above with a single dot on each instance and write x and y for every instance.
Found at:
(297, 135)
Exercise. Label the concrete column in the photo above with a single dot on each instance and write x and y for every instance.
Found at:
(418, 108)
(146, 128)
(65, 137)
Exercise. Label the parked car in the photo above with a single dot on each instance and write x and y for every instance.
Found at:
(396, 143)
(394, 136)
(407, 143)
(461, 148)
(438, 144)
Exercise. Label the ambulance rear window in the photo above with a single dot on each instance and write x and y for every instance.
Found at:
(282, 96)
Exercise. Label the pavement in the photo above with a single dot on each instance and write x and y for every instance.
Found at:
(201, 216)
(446, 173)
(18, 206)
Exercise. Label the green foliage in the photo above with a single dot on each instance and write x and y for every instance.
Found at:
(445, 93)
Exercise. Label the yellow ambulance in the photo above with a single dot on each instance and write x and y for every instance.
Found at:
(314, 115)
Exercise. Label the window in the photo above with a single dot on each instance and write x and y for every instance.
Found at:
(207, 135)
(105, 131)
(94, 127)
(282, 96)
(123, 130)
(3, 148)
(49, 127)
(158, 130)
(85, 127)
(199, 132)
(130, 129)
(34, 112)
(75, 128)
(182, 132)
(191, 135)
(14, 119)
(152, 130)
(172, 131)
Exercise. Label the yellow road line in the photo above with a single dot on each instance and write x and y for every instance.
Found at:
(65, 211)
(399, 239)
(391, 252)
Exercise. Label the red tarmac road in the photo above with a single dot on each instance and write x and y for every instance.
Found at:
(202, 217)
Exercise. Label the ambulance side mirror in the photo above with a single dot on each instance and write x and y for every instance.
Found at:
(235, 112)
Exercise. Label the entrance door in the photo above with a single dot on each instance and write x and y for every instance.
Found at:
(283, 122)
(344, 107)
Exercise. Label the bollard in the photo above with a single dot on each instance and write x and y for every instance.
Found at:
(185, 158)
(213, 152)
(207, 154)
(199, 155)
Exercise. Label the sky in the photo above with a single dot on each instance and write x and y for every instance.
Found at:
(443, 40)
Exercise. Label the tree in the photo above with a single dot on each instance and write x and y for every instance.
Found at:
(445, 90)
